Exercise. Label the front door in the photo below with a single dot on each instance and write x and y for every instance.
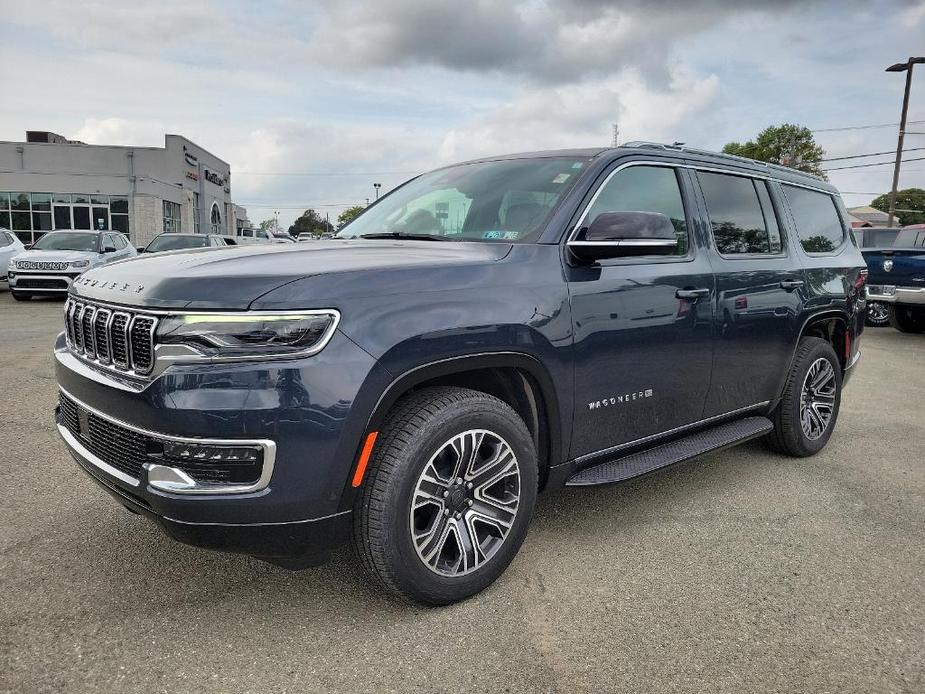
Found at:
(643, 354)
(759, 286)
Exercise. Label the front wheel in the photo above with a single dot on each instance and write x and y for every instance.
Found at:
(448, 496)
(806, 415)
(906, 319)
(878, 314)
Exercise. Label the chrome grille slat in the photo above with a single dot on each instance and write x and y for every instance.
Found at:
(119, 340)
(86, 329)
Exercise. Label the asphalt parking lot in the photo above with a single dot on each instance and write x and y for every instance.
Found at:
(739, 571)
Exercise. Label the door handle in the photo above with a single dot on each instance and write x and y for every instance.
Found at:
(791, 284)
(692, 294)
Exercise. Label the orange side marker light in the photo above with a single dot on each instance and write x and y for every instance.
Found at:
(364, 458)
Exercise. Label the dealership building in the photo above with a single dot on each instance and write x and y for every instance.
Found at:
(49, 182)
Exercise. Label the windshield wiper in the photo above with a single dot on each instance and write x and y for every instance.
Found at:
(404, 235)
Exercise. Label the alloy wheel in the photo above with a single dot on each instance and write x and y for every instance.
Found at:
(465, 502)
(877, 312)
(817, 401)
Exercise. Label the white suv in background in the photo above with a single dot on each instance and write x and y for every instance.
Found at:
(10, 247)
(55, 260)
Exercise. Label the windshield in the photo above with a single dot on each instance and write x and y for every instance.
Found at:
(491, 201)
(169, 242)
(67, 241)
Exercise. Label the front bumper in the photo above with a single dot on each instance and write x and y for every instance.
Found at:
(32, 281)
(314, 411)
(891, 294)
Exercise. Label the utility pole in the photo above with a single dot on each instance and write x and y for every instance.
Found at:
(616, 135)
(907, 68)
(276, 220)
(377, 186)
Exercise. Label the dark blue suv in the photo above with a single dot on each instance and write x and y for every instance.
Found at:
(484, 332)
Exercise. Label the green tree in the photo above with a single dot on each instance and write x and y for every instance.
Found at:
(310, 222)
(910, 205)
(268, 224)
(788, 144)
(348, 215)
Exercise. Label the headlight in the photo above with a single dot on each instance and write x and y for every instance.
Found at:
(80, 263)
(250, 334)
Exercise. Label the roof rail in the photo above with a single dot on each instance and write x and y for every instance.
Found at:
(734, 157)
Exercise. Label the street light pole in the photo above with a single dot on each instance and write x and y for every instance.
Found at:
(377, 186)
(907, 68)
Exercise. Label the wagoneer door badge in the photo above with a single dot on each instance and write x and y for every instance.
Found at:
(620, 399)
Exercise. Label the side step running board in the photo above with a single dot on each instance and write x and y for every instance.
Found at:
(651, 459)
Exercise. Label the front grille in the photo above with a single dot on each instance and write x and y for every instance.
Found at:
(128, 450)
(121, 340)
(40, 283)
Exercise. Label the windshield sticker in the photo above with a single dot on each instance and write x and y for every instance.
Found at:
(492, 234)
(577, 165)
(510, 235)
(561, 178)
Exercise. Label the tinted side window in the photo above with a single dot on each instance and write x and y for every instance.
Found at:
(120, 241)
(644, 189)
(736, 214)
(818, 224)
(5, 240)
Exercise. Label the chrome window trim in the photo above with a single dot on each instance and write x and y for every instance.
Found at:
(693, 167)
(268, 446)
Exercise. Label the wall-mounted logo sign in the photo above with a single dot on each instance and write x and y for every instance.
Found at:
(213, 177)
(192, 175)
(191, 158)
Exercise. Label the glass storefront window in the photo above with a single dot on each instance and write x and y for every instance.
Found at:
(20, 201)
(63, 198)
(41, 221)
(4, 201)
(5, 219)
(80, 198)
(120, 223)
(118, 204)
(22, 221)
(41, 202)
(172, 216)
(81, 217)
(99, 199)
(62, 217)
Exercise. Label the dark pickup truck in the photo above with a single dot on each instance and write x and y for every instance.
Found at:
(897, 280)
(484, 332)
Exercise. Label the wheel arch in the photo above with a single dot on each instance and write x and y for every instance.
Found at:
(517, 379)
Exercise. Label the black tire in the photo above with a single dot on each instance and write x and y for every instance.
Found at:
(19, 296)
(789, 435)
(906, 319)
(878, 315)
(420, 425)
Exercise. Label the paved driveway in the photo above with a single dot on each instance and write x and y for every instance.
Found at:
(740, 571)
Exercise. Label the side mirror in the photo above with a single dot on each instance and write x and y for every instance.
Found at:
(622, 234)
(140, 249)
(109, 249)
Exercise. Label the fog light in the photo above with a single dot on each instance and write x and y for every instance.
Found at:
(212, 454)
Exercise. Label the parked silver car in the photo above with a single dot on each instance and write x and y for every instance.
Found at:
(10, 247)
(55, 260)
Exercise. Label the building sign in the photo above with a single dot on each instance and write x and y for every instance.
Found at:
(191, 158)
(213, 177)
(192, 175)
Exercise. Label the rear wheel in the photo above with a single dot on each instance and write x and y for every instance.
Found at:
(906, 319)
(19, 296)
(877, 314)
(448, 496)
(806, 415)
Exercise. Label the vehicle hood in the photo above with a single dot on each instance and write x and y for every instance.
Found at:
(233, 278)
(57, 256)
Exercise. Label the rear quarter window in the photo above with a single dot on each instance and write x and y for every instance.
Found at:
(815, 214)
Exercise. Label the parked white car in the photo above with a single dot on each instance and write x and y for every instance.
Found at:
(55, 260)
(10, 247)
(249, 237)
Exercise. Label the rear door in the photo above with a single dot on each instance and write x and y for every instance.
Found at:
(760, 290)
(643, 354)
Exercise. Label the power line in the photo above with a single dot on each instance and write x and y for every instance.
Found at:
(879, 163)
(864, 127)
(325, 173)
(873, 154)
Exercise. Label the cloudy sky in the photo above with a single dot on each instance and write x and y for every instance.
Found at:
(340, 94)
